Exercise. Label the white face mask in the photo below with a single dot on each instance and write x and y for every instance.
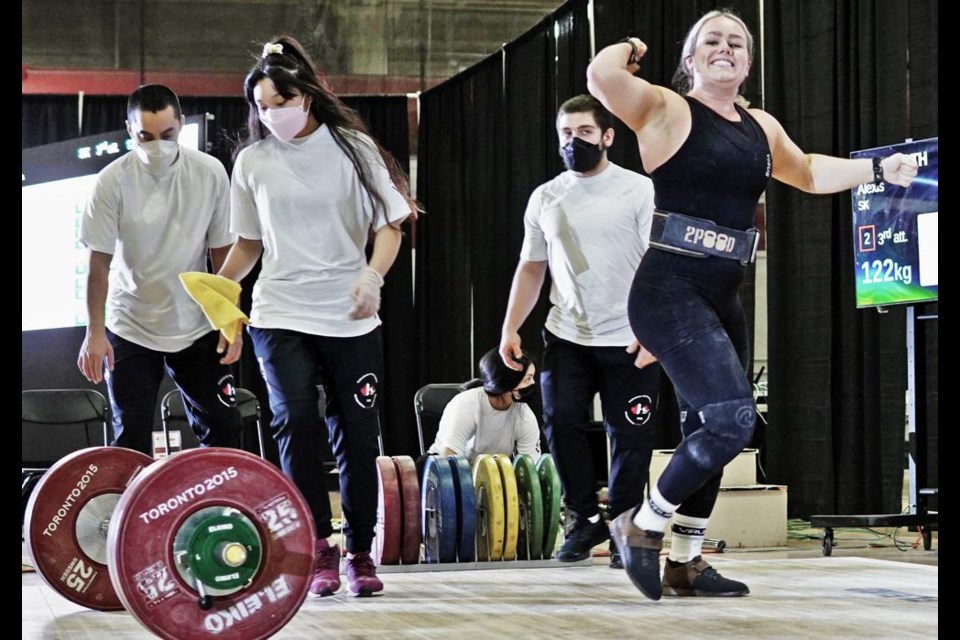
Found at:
(285, 122)
(158, 155)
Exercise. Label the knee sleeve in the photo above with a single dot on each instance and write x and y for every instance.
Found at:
(727, 428)
(689, 422)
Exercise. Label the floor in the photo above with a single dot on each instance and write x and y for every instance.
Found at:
(873, 586)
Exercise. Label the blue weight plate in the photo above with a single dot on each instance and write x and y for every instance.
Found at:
(467, 511)
(439, 517)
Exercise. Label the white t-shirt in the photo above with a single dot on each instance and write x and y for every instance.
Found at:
(471, 426)
(156, 227)
(592, 231)
(305, 202)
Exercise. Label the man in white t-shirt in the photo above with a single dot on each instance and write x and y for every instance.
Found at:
(155, 213)
(494, 417)
(589, 226)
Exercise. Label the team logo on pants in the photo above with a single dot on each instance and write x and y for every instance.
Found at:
(639, 410)
(226, 392)
(366, 393)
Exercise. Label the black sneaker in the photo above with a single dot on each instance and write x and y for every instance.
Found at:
(698, 578)
(581, 540)
(616, 562)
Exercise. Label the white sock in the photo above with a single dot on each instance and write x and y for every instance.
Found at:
(687, 539)
(654, 512)
(594, 519)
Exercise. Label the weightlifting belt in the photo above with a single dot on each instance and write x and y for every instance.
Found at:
(701, 238)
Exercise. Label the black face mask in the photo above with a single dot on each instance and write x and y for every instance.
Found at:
(525, 394)
(579, 155)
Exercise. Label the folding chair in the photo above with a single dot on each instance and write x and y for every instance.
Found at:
(55, 422)
(172, 410)
(429, 402)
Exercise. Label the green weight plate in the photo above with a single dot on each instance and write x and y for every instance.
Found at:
(530, 543)
(550, 488)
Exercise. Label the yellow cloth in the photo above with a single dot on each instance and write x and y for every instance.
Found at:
(218, 297)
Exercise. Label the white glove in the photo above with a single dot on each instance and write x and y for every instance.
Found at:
(365, 294)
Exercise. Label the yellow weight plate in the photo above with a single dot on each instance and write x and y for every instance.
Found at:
(511, 507)
(491, 519)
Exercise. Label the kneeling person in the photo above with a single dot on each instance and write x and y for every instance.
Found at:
(494, 417)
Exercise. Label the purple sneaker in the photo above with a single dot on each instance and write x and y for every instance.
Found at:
(362, 577)
(326, 569)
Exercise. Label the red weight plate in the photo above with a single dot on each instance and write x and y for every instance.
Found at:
(153, 511)
(66, 522)
(389, 533)
(410, 511)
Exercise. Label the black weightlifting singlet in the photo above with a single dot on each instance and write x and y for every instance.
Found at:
(719, 172)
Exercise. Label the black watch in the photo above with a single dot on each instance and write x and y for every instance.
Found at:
(633, 59)
(877, 170)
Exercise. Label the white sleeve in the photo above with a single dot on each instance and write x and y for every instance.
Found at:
(534, 247)
(397, 207)
(528, 434)
(218, 233)
(645, 207)
(457, 425)
(244, 221)
(100, 225)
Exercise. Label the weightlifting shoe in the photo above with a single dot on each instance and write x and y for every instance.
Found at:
(640, 551)
(698, 578)
(362, 577)
(581, 540)
(326, 569)
(616, 561)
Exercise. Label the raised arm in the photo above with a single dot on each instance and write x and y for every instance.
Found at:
(817, 173)
(610, 79)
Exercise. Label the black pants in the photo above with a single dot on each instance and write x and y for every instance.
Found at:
(698, 331)
(207, 387)
(571, 375)
(350, 371)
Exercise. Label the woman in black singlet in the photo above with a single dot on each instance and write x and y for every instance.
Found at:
(710, 159)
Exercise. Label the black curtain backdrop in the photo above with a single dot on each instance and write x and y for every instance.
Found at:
(443, 240)
(47, 119)
(534, 158)
(838, 375)
(485, 212)
(571, 50)
(923, 25)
